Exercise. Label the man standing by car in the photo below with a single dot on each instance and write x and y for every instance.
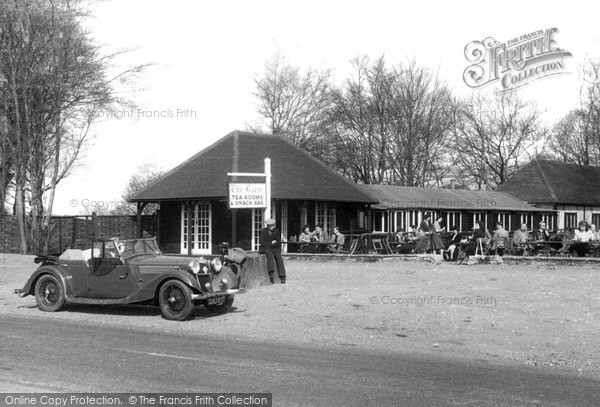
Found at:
(270, 244)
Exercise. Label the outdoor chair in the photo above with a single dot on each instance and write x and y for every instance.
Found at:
(378, 245)
(348, 248)
(353, 246)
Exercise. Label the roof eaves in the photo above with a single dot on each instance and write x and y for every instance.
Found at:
(168, 173)
(330, 170)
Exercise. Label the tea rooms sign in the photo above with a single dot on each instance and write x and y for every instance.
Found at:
(247, 195)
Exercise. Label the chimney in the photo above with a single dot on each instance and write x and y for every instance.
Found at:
(452, 183)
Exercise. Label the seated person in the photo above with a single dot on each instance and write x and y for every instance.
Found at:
(521, 235)
(424, 240)
(542, 233)
(594, 233)
(336, 243)
(305, 237)
(577, 247)
(110, 250)
(583, 234)
(400, 236)
(499, 242)
(319, 235)
(595, 240)
(450, 253)
(520, 239)
(411, 233)
(479, 235)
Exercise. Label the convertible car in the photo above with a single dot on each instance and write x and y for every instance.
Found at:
(132, 271)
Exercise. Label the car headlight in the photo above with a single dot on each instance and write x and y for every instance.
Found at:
(217, 265)
(195, 266)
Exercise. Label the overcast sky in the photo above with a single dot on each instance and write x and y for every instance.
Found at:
(207, 55)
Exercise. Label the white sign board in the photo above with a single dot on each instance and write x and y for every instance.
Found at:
(244, 195)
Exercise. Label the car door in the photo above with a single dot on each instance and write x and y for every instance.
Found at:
(109, 277)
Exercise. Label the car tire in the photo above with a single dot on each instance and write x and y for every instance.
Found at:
(221, 307)
(49, 293)
(175, 300)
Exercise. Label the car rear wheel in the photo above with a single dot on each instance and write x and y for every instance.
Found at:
(175, 300)
(49, 293)
(219, 304)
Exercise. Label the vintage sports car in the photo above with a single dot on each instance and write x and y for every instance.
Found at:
(132, 271)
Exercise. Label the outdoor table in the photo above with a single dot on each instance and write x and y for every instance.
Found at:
(548, 246)
(595, 248)
(581, 248)
(315, 247)
(525, 246)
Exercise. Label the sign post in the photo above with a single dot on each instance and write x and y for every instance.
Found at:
(249, 195)
(267, 213)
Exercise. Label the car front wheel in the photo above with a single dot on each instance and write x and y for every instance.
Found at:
(175, 300)
(49, 293)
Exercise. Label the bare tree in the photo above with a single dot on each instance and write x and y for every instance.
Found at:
(388, 124)
(56, 83)
(576, 137)
(292, 103)
(146, 175)
(358, 122)
(422, 108)
(493, 137)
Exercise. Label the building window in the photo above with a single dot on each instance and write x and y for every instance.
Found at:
(526, 218)
(413, 219)
(362, 220)
(433, 215)
(325, 214)
(257, 225)
(549, 220)
(596, 219)
(480, 216)
(570, 220)
(453, 220)
(504, 218)
(380, 221)
(400, 221)
(200, 228)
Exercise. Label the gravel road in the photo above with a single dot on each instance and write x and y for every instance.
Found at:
(541, 315)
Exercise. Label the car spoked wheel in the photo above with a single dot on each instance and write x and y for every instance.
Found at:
(49, 293)
(219, 304)
(175, 300)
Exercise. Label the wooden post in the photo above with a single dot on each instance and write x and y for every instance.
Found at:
(138, 220)
(268, 188)
(233, 227)
(190, 219)
(140, 209)
(158, 226)
(93, 228)
(74, 232)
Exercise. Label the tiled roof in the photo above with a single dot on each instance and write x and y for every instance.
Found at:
(553, 182)
(296, 175)
(399, 197)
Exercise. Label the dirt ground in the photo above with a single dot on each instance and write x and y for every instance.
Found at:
(545, 315)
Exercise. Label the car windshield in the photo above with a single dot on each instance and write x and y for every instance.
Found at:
(133, 247)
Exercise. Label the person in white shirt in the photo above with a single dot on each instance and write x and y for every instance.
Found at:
(583, 234)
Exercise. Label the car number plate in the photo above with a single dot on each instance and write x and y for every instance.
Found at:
(216, 300)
